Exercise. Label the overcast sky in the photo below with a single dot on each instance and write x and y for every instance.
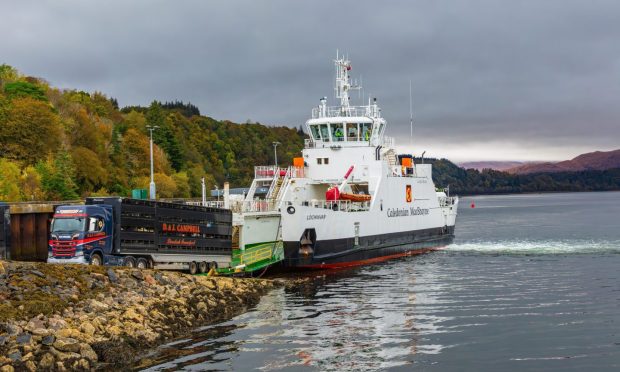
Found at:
(492, 80)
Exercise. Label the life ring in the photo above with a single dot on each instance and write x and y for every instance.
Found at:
(290, 210)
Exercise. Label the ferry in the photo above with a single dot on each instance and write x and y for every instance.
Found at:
(350, 199)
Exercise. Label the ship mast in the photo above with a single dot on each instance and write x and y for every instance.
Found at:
(343, 81)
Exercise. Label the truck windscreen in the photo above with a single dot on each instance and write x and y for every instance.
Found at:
(68, 224)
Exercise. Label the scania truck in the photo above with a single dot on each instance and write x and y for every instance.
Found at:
(141, 233)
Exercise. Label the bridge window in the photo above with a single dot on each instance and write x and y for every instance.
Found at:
(316, 134)
(352, 132)
(366, 129)
(324, 132)
(337, 132)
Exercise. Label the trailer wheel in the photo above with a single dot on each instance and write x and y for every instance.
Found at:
(203, 267)
(193, 267)
(142, 263)
(129, 262)
(96, 260)
(213, 265)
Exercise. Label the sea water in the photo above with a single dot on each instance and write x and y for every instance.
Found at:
(532, 282)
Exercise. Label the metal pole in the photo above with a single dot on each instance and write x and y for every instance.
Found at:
(152, 188)
(275, 152)
(204, 193)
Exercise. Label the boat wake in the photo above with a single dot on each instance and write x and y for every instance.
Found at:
(526, 247)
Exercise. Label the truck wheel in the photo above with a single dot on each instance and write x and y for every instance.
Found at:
(129, 262)
(203, 267)
(193, 268)
(96, 260)
(142, 263)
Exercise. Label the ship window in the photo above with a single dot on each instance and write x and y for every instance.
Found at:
(324, 133)
(325, 160)
(319, 160)
(352, 132)
(366, 129)
(315, 132)
(337, 132)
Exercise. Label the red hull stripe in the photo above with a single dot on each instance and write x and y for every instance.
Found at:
(340, 265)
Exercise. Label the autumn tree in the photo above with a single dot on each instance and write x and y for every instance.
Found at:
(23, 89)
(30, 131)
(89, 172)
(57, 177)
(164, 135)
(9, 180)
(30, 184)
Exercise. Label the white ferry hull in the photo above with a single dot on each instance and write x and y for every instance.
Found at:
(351, 199)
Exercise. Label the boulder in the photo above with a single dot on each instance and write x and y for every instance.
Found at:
(63, 356)
(94, 305)
(48, 340)
(112, 276)
(24, 338)
(137, 274)
(38, 273)
(37, 326)
(67, 344)
(15, 356)
(149, 279)
(83, 364)
(56, 323)
(131, 314)
(47, 361)
(30, 366)
(88, 328)
(86, 351)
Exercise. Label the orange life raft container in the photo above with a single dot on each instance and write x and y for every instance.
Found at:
(355, 197)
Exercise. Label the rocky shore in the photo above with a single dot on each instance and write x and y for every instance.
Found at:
(76, 317)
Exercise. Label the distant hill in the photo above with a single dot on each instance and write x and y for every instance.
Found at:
(598, 160)
(495, 165)
(471, 181)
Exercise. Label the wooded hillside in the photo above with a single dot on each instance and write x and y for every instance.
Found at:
(64, 144)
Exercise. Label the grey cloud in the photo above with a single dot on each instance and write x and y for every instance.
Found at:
(527, 72)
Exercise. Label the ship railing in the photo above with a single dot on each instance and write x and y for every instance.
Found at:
(388, 141)
(338, 205)
(268, 171)
(296, 172)
(195, 202)
(261, 205)
(447, 201)
(309, 143)
(351, 111)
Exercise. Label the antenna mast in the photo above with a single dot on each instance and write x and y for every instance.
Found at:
(343, 82)
(410, 116)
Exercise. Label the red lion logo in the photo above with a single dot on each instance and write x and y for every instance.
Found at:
(408, 194)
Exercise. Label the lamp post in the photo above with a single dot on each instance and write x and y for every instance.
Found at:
(152, 184)
(275, 152)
